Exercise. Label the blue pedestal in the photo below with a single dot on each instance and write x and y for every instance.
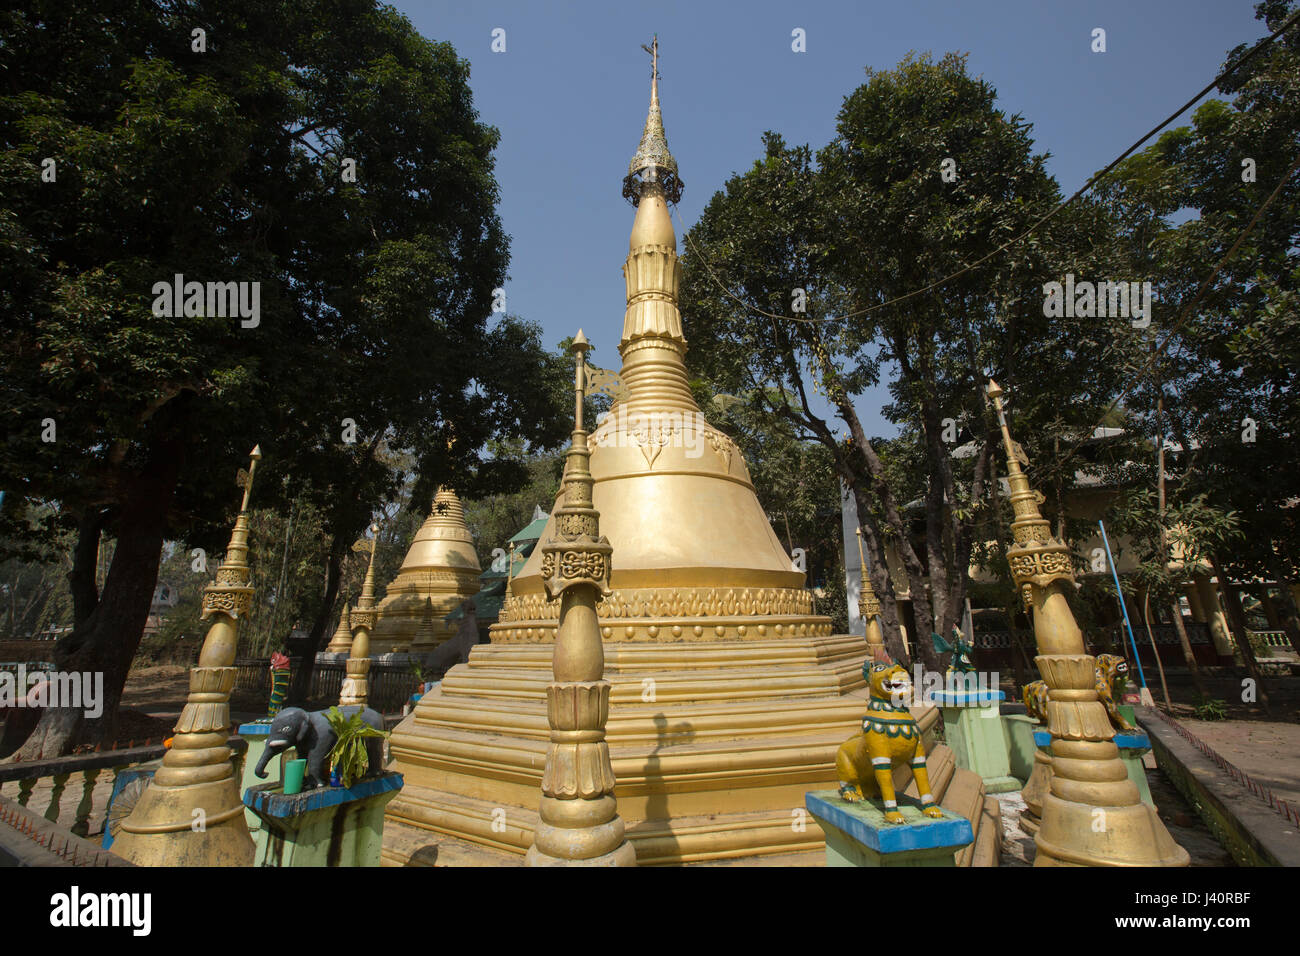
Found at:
(974, 698)
(124, 779)
(256, 733)
(857, 834)
(1132, 747)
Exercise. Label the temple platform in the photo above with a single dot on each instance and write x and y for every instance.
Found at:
(714, 745)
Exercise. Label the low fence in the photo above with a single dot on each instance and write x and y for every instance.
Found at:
(27, 651)
(91, 767)
(996, 650)
(1272, 647)
(391, 685)
(92, 770)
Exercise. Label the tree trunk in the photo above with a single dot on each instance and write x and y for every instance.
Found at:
(85, 565)
(1188, 656)
(1155, 652)
(1237, 624)
(105, 644)
(300, 688)
(890, 617)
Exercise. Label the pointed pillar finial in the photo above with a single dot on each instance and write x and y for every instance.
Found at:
(869, 604)
(1089, 783)
(356, 685)
(578, 821)
(196, 782)
(653, 166)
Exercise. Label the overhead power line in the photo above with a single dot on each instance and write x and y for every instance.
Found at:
(1097, 177)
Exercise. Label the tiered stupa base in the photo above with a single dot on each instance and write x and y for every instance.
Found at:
(712, 759)
(402, 612)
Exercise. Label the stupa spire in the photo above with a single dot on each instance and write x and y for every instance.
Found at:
(653, 163)
(653, 346)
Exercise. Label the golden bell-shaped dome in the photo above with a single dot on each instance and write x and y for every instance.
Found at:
(441, 567)
(443, 541)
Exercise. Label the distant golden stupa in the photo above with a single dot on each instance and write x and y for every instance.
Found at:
(730, 696)
(441, 570)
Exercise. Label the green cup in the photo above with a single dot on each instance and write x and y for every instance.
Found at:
(294, 772)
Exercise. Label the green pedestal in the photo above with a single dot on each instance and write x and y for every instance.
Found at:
(328, 826)
(973, 728)
(1019, 730)
(256, 734)
(858, 835)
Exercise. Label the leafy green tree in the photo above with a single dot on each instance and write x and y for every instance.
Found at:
(851, 239)
(33, 585)
(492, 519)
(1220, 389)
(321, 149)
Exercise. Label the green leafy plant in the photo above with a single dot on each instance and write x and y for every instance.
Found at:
(1211, 708)
(349, 756)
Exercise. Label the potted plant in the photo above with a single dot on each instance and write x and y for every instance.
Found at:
(349, 761)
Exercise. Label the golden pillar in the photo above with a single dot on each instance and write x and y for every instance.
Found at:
(579, 823)
(869, 608)
(1212, 612)
(356, 683)
(191, 813)
(1092, 815)
(341, 642)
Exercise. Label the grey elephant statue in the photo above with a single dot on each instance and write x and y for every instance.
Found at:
(313, 737)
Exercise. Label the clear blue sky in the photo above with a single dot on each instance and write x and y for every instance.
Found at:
(570, 92)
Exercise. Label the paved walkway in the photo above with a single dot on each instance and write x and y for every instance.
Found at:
(1268, 751)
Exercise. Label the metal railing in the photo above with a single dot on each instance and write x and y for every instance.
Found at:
(1197, 633)
(391, 684)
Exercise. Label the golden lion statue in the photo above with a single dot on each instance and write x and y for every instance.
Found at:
(1111, 673)
(890, 738)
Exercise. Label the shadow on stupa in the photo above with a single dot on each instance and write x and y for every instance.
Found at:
(656, 806)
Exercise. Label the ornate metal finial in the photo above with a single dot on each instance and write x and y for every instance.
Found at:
(869, 607)
(868, 603)
(653, 165)
(580, 348)
(1036, 556)
(577, 552)
(232, 592)
(367, 546)
(244, 477)
(356, 685)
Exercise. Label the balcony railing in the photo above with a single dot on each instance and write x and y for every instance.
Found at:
(87, 773)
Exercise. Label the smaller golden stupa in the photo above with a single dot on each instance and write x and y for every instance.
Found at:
(440, 570)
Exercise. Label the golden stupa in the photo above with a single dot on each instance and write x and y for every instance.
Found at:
(441, 569)
(729, 695)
